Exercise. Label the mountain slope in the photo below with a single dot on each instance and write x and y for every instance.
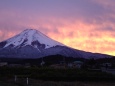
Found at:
(30, 37)
(33, 44)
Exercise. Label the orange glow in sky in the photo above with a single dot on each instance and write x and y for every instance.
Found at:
(87, 25)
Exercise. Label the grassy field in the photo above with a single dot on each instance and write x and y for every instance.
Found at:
(54, 77)
(55, 83)
(56, 74)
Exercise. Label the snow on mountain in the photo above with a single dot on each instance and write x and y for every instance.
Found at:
(32, 37)
(33, 44)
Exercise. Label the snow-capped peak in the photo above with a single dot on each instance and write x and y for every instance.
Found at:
(32, 37)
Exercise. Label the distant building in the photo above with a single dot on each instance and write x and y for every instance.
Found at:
(57, 66)
(42, 63)
(27, 65)
(70, 65)
(106, 65)
(75, 64)
(3, 64)
(15, 65)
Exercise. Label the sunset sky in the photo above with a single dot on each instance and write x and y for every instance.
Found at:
(87, 25)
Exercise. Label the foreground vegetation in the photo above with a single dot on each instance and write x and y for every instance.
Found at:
(45, 73)
(56, 83)
(46, 76)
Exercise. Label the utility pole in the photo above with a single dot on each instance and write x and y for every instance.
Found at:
(64, 61)
(15, 78)
(42, 63)
(27, 80)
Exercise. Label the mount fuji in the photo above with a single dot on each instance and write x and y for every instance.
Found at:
(33, 44)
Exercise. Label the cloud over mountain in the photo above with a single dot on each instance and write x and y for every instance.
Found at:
(75, 22)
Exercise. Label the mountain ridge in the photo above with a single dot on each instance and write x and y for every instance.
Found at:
(31, 37)
(33, 44)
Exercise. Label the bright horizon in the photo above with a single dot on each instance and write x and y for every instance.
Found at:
(87, 25)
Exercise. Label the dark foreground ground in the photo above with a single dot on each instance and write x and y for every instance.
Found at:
(54, 83)
(54, 77)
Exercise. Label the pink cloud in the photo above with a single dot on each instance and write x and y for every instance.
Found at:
(89, 34)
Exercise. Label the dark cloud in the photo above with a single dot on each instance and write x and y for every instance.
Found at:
(109, 28)
(64, 20)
